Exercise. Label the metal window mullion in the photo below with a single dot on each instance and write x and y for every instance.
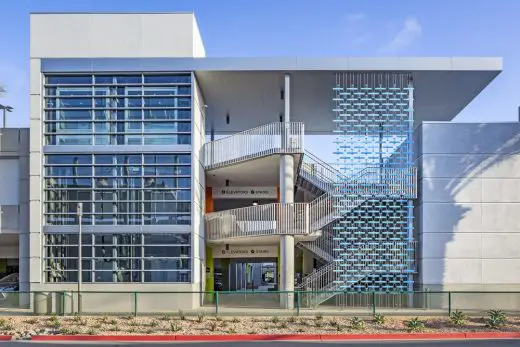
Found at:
(142, 258)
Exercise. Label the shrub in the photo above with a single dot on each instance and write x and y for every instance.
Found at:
(97, 326)
(200, 318)
(357, 323)
(304, 322)
(149, 331)
(275, 320)
(6, 327)
(153, 324)
(175, 328)
(458, 317)
(232, 331)
(54, 324)
(251, 332)
(292, 319)
(414, 324)
(235, 320)
(66, 331)
(104, 319)
(32, 321)
(131, 330)
(283, 325)
(213, 326)
(112, 321)
(319, 316)
(114, 328)
(181, 314)
(91, 332)
(166, 318)
(338, 327)
(379, 319)
(333, 323)
(496, 319)
(224, 324)
(77, 319)
(497, 315)
(218, 318)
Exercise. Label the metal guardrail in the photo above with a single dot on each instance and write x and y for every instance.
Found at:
(260, 220)
(274, 138)
(253, 303)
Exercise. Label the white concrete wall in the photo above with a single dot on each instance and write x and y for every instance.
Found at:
(198, 184)
(110, 35)
(469, 206)
(30, 238)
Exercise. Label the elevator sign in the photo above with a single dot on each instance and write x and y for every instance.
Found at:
(231, 251)
(244, 193)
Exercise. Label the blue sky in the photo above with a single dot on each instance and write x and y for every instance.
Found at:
(309, 28)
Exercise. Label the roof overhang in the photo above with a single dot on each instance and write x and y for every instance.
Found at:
(248, 89)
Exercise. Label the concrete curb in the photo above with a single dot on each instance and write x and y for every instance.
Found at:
(295, 337)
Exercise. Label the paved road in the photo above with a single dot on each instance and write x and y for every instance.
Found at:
(453, 343)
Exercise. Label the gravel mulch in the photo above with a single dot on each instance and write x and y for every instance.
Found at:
(174, 325)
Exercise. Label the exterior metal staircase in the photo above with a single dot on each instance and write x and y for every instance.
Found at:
(336, 196)
(323, 180)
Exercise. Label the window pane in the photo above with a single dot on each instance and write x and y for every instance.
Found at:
(74, 79)
(70, 103)
(167, 276)
(61, 91)
(160, 127)
(167, 139)
(167, 114)
(159, 91)
(163, 79)
(134, 79)
(167, 264)
(74, 115)
(167, 239)
(71, 127)
(68, 159)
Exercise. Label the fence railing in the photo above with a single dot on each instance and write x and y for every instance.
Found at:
(254, 143)
(245, 303)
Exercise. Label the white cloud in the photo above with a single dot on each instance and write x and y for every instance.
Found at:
(410, 31)
(356, 17)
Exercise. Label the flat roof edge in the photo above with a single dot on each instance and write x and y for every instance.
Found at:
(409, 64)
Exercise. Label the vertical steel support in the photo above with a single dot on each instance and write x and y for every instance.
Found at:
(287, 221)
(135, 304)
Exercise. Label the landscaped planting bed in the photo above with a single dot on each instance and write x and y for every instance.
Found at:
(179, 324)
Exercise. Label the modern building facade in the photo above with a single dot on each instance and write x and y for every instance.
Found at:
(193, 174)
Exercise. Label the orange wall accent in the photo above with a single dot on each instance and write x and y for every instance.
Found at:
(278, 194)
(210, 206)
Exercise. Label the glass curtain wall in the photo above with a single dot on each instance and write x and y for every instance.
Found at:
(126, 185)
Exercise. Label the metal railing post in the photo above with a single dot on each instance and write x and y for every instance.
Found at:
(216, 303)
(297, 302)
(373, 303)
(449, 304)
(135, 304)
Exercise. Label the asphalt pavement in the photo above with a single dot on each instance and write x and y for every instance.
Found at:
(445, 343)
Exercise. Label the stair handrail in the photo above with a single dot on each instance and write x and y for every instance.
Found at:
(263, 140)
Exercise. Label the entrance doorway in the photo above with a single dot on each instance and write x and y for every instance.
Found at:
(256, 274)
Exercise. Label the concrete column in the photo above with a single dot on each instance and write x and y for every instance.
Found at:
(287, 196)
